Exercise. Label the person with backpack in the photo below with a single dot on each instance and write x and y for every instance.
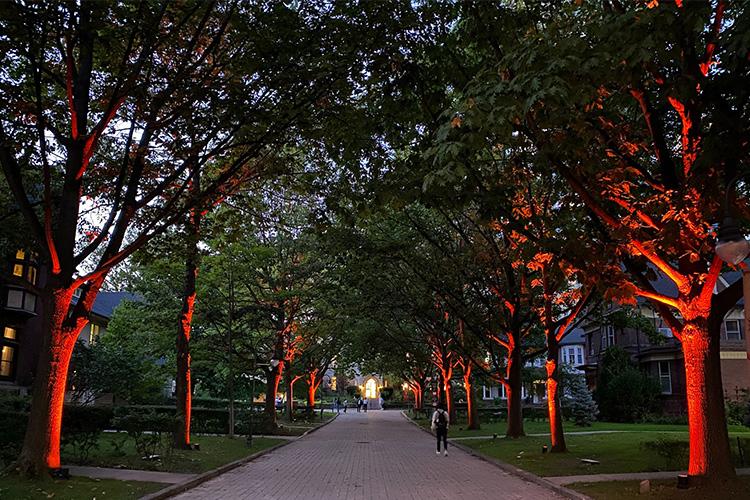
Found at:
(440, 423)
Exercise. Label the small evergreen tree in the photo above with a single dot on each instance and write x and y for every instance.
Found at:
(582, 406)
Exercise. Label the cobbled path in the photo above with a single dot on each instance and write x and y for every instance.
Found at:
(374, 455)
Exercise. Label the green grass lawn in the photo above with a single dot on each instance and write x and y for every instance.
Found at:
(539, 427)
(662, 489)
(215, 451)
(17, 488)
(616, 452)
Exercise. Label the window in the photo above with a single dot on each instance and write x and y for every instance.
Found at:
(591, 345)
(666, 332)
(732, 329)
(486, 392)
(8, 348)
(94, 334)
(610, 336)
(665, 377)
(21, 299)
(25, 266)
(579, 355)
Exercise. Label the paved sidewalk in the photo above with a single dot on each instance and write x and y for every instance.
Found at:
(374, 455)
(129, 475)
(631, 476)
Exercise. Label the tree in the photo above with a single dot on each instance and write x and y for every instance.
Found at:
(624, 393)
(582, 406)
(638, 108)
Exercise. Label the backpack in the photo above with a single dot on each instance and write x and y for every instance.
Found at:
(442, 421)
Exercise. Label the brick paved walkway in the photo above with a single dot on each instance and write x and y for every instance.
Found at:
(370, 455)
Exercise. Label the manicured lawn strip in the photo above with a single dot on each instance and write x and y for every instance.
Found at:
(17, 488)
(539, 427)
(215, 451)
(616, 452)
(661, 489)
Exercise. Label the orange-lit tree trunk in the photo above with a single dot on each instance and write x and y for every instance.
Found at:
(313, 382)
(709, 439)
(41, 449)
(513, 384)
(557, 435)
(272, 389)
(472, 415)
(183, 385)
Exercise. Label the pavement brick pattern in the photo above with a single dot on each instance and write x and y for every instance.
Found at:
(371, 455)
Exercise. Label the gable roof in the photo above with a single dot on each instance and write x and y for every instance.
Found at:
(106, 302)
(576, 336)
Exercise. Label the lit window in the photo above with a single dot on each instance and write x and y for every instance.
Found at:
(665, 377)
(9, 333)
(8, 350)
(25, 266)
(732, 328)
(94, 333)
(7, 358)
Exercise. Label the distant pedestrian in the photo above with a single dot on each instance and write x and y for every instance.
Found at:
(346, 403)
(440, 424)
(364, 404)
(380, 402)
(337, 405)
(359, 404)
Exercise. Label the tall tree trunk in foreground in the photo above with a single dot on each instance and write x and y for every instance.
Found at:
(183, 386)
(472, 415)
(513, 393)
(272, 388)
(41, 447)
(557, 435)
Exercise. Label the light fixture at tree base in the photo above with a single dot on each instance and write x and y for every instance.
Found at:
(731, 245)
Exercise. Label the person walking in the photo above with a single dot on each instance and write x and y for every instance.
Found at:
(359, 404)
(346, 403)
(364, 404)
(440, 424)
(337, 405)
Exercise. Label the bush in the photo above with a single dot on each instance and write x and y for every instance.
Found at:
(81, 428)
(386, 393)
(624, 393)
(673, 451)
(13, 425)
(737, 411)
(145, 428)
(352, 391)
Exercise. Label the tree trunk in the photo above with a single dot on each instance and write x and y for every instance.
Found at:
(553, 398)
(513, 390)
(272, 388)
(311, 395)
(183, 385)
(472, 416)
(290, 394)
(710, 457)
(183, 388)
(41, 446)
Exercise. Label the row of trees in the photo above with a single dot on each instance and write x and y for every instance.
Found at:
(528, 158)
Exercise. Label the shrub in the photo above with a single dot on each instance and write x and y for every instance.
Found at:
(624, 393)
(386, 393)
(145, 428)
(673, 451)
(13, 425)
(82, 426)
(352, 390)
(737, 411)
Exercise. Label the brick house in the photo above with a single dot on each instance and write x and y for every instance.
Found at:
(664, 360)
(21, 320)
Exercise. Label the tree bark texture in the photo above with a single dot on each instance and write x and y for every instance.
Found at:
(513, 390)
(557, 435)
(472, 415)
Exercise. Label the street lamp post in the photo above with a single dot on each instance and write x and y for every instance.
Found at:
(256, 365)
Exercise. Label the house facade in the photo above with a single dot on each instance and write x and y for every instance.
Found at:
(661, 356)
(21, 320)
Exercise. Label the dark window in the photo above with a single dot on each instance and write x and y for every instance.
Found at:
(665, 377)
(732, 329)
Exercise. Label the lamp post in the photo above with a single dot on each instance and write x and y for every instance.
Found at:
(255, 366)
(731, 245)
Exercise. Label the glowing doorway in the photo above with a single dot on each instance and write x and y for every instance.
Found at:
(371, 389)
